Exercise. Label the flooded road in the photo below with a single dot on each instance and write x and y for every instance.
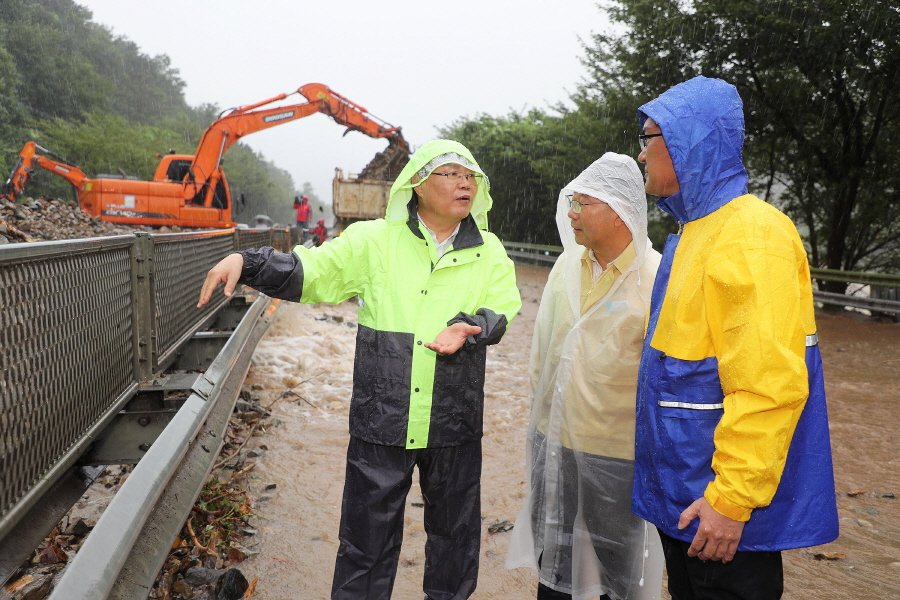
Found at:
(309, 350)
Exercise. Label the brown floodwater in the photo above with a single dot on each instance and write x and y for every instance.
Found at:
(309, 349)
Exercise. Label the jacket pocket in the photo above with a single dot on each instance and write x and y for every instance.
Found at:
(690, 389)
(690, 405)
(457, 402)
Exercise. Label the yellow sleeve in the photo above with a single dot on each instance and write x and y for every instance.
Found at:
(753, 290)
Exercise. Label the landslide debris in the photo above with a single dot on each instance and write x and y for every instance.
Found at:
(44, 219)
(386, 165)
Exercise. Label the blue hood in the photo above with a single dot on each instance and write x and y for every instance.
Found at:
(702, 121)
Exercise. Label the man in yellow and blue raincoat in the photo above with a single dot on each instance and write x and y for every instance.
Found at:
(732, 452)
(435, 289)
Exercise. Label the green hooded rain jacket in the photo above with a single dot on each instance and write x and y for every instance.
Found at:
(403, 393)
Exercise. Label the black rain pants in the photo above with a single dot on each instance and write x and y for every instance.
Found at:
(377, 482)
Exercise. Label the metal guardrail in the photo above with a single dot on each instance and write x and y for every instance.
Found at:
(861, 277)
(536, 252)
(56, 302)
(180, 264)
(82, 324)
(883, 286)
(280, 239)
(876, 305)
(128, 546)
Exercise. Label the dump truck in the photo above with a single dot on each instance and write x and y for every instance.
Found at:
(191, 190)
(365, 196)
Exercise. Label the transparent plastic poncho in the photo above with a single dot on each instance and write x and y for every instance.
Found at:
(576, 529)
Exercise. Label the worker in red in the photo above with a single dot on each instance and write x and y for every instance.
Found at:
(301, 203)
(319, 233)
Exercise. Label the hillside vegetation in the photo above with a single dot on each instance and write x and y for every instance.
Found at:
(95, 99)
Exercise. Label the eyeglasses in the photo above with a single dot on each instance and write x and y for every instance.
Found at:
(642, 139)
(457, 176)
(575, 205)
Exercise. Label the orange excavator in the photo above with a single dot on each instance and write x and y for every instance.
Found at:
(191, 190)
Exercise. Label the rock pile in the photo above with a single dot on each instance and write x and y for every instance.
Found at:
(386, 165)
(42, 219)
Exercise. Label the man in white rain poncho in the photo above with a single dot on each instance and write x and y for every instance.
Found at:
(576, 528)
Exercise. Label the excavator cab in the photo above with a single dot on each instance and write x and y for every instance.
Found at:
(178, 168)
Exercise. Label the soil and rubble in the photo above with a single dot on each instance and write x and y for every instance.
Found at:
(44, 219)
(218, 535)
(386, 165)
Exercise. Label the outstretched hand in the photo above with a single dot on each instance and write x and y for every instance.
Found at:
(717, 535)
(227, 271)
(452, 338)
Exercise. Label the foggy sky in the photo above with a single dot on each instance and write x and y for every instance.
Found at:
(417, 65)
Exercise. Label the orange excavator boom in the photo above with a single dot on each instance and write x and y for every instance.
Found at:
(352, 115)
(228, 129)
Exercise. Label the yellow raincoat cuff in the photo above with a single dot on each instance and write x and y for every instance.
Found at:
(723, 506)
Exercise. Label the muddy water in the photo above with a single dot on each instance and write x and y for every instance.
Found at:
(862, 380)
(309, 349)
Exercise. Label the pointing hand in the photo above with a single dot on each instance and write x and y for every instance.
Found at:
(228, 271)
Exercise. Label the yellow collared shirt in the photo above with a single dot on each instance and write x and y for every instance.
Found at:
(591, 290)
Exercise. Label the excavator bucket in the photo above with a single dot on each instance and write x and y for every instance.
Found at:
(20, 173)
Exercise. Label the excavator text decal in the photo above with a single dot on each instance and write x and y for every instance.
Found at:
(142, 215)
(279, 117)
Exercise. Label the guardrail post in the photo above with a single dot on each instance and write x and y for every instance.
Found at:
(142, 273)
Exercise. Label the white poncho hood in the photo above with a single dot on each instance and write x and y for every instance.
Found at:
(614, 179)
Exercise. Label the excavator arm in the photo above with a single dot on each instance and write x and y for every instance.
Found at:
(352, 115)
(28, 160)
(203, 173)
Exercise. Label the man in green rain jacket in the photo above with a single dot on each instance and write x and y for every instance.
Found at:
(435, 289)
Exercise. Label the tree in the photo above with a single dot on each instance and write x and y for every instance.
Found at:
(12, 114)
(55, 78)
(70, 66)
(819, 80)
(95, 99)
(258, 186)
(508, 148)
(105, 144)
